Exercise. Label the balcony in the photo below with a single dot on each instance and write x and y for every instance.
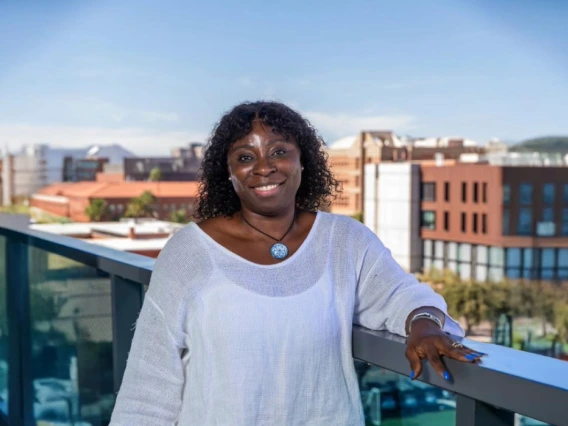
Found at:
(66, 322)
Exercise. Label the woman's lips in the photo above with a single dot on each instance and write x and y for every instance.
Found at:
(267, 190)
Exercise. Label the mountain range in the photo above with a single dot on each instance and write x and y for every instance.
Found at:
(556, 144)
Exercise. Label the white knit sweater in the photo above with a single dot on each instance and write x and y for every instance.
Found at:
(227, 342)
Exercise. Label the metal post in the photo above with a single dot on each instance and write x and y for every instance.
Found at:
(127, 297)
(20, 386)
(470, 412)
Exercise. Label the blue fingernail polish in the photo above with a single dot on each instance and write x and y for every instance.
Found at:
(447, 376)
(471, 357)
(412, 375)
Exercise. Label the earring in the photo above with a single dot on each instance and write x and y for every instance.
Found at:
(229, 178)
(302, 169)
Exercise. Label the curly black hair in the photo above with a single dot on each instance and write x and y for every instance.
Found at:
(216, 196)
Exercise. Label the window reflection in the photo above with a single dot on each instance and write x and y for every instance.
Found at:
(525, 193)
(525, 221)
(548, 193)
(547, 263)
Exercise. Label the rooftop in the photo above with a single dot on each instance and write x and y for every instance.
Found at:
(123, 189)
(130, 235)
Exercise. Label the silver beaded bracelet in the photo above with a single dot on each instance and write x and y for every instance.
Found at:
(424, 315)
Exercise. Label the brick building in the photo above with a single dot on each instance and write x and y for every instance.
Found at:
(488, 222)
(482, 221)
(71, 199)
(348, 157)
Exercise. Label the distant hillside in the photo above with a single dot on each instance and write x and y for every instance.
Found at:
(544, 144)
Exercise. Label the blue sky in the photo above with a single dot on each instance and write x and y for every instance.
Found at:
(152, 75)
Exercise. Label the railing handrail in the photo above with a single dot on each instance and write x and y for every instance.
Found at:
(131, 266)
(521, 382)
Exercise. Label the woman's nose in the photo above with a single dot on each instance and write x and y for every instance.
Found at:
(264, 167)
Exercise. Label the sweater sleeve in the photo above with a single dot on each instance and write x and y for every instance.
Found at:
(386, 294)
(152, 387)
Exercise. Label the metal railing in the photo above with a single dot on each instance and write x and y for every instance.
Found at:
(488, 394)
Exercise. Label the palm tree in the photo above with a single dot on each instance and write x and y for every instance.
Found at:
(97, 210)
(142, 206)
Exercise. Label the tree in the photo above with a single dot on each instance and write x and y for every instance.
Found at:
(97, 210)
(358, 216)
(561, 320)
(155, 175)
(470, 300)
(179, 216)
(142, 206)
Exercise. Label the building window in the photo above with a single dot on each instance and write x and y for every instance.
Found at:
(548, 194)
(565, 194)
(496, 263)
(428, 219)
(506, 194)
(474, 223)
(513, 265)
(464, 192)
(463, 222)
(484, 192)
(506, 221)
(429, 191)
(564, 221)
(453, 257)
(528, 269)
(547, 263)
(447, 191)
(562, 264)
(475, 192)
(548, 214)
(446, 221)
(525, 221)
(357, 181)
(483, 223)
(525, 194)
(357, 197)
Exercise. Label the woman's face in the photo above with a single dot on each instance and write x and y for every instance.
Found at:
(265, 170)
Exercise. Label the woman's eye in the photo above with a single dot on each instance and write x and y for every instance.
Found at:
(279, 152)
(244, 158)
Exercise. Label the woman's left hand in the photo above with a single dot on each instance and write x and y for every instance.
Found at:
(427, 340)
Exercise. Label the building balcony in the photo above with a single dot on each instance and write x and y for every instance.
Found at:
(67, 310)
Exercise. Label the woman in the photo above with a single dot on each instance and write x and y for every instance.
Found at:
(249, 314)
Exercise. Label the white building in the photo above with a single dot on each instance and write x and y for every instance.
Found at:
(391, 209)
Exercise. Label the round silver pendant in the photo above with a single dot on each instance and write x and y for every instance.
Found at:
(279, 251)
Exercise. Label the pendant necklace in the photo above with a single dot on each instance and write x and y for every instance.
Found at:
(278, 250)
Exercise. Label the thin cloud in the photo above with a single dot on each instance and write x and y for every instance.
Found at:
(140, 141)
(246, 81)
(339, 125)
(90, 108)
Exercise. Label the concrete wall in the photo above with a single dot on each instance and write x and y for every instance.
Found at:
(397, 202)
(371, 201)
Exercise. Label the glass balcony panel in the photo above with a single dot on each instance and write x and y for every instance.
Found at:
(3, 333)
(391, 399)
(72, 366)
(527, 421)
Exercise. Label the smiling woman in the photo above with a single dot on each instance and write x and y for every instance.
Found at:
(250, 310)
(217, 195)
